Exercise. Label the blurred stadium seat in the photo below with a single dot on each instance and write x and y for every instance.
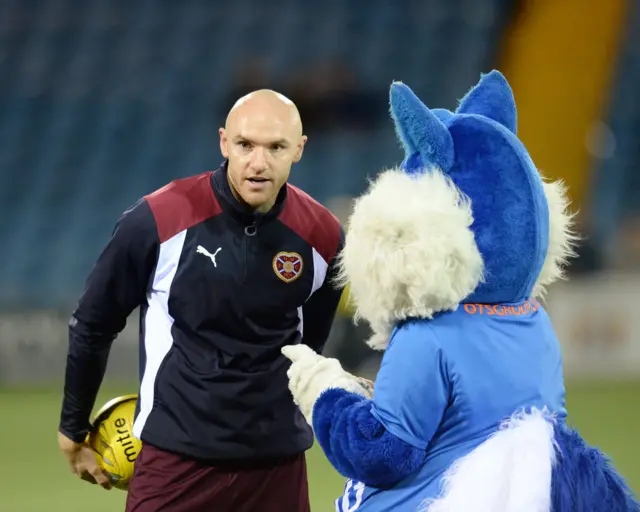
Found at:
(616, 191)
(103, 101)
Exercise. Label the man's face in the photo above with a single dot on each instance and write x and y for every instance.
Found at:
(261, 146)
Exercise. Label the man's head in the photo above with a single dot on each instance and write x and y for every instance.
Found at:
(262, 138)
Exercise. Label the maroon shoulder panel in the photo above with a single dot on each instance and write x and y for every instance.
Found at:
(312, 222)
(182, 204)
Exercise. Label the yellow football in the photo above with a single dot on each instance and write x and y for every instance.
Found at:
(112, 439)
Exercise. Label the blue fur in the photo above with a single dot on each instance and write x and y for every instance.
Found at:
(357, 444)
(493, 99)
(481, 153)
(420, 131)
(583, 478)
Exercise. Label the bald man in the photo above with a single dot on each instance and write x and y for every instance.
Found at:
(227, 267)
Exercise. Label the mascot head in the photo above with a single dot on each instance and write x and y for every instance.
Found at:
(465, 218)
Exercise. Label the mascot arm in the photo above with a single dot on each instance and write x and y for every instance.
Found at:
(381, 441)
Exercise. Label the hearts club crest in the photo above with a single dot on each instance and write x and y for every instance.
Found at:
(287, 266)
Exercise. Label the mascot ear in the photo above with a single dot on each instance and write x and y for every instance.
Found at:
(422, 133)
(492, 97)
(443, 114)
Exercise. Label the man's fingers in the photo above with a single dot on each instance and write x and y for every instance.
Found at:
(85, 465)
(367, 384)
(94, 476)
(86, 476)
(102, 479)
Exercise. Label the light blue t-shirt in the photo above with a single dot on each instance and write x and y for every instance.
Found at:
(446, 384)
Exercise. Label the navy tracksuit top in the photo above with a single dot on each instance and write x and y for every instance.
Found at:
(220, 291)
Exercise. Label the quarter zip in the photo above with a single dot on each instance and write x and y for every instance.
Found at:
(249, 232)
(242, 218)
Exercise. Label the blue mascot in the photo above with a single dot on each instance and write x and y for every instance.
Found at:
(445, 257)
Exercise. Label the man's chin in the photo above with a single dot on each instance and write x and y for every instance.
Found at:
(255, 200)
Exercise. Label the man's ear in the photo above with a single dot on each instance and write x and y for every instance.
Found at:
(300, 149)
(223, 143)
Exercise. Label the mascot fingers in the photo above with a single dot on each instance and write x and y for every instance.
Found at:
(311, 374)
(299, 352)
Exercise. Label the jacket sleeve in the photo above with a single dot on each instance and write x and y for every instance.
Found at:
(319, 311)
(115, 287)
(383, 440)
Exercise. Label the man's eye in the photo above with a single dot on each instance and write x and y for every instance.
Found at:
(244, 144)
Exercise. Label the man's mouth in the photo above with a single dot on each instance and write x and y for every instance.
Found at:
(258, 179)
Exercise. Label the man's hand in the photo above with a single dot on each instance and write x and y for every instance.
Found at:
(83, 461)
(368, 385)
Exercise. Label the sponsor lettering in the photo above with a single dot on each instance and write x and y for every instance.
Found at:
(129, 448)
(527, 307)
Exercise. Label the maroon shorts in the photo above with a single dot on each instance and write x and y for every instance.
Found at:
(166, 482)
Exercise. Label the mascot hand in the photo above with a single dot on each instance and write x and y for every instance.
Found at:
(311, 374)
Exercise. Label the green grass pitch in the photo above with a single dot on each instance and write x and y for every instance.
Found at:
(34, 477)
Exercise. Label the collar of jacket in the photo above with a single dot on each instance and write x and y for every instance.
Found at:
(231, 206)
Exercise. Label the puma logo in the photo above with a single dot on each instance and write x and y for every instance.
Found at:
(212, 257)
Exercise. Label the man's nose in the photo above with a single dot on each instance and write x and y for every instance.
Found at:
(258, 159)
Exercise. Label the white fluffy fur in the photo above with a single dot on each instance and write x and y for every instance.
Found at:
(409, 250)
(510, 472)
(562, 238)
(311, 374)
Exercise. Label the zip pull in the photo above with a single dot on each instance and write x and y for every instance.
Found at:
(251, 230)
